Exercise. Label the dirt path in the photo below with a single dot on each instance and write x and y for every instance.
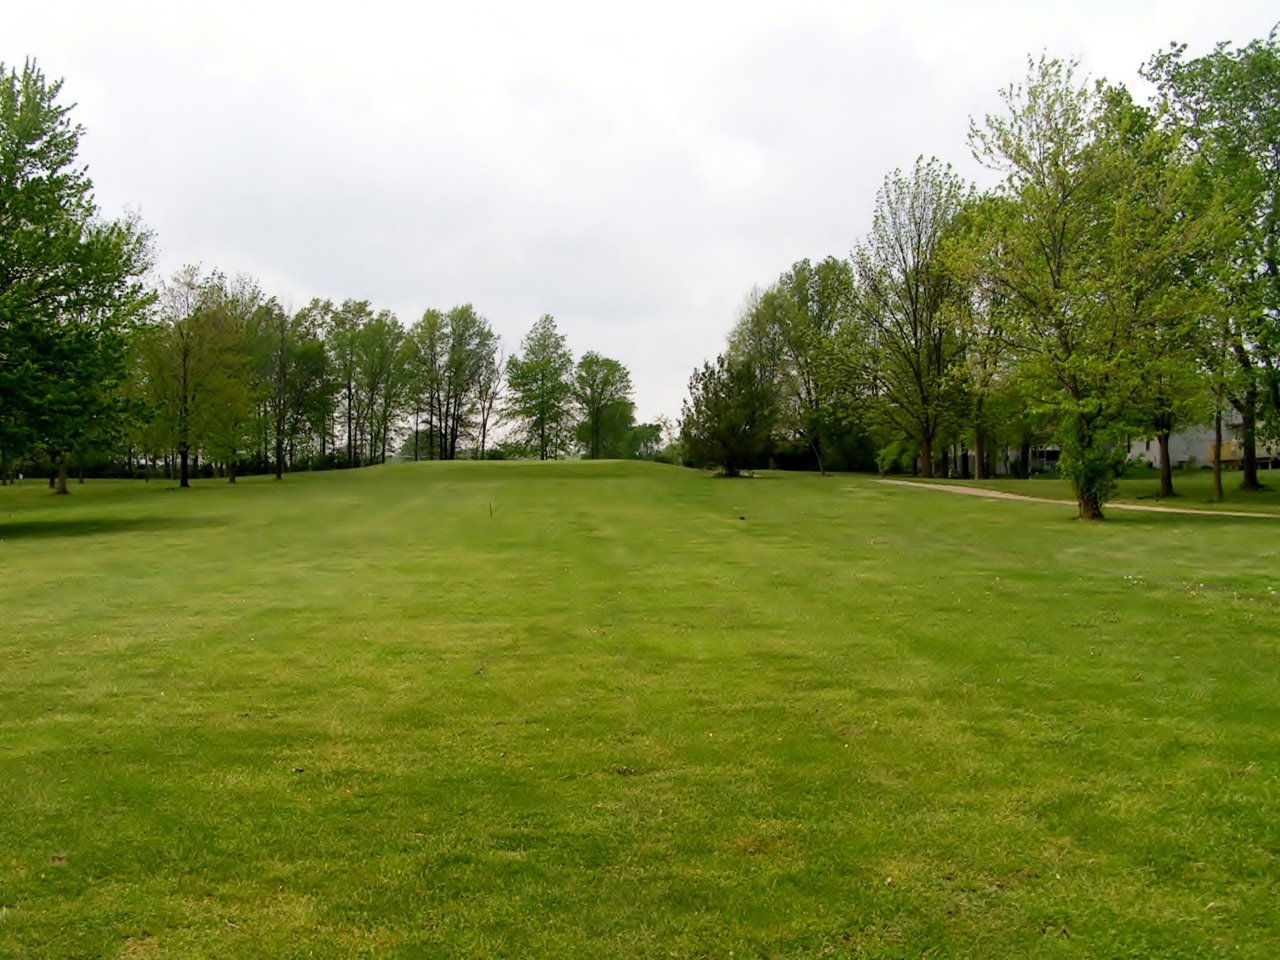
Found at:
(1005, 495)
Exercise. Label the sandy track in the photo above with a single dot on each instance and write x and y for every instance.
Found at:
(1005, 495)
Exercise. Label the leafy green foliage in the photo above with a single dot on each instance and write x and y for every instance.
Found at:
(644, 441)
(70, 282)
(1084, 259)
(195, 367)
(540, 384)
(606, 415)
(729, 415)
(803, 310)
(454, 372)
(293, 369)
(1228, 103)
(911, 303)
(372, 377)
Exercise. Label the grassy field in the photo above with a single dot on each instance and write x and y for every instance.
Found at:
(611, 710)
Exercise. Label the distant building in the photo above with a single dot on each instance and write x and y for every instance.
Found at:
(1193, 447)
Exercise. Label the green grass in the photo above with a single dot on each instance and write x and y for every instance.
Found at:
(1192, 490)
(632, 712)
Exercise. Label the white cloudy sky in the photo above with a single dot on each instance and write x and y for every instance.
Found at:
(631, 169)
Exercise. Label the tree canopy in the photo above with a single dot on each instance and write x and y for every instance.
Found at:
(71, 285)
(541, 389)
(602, 393)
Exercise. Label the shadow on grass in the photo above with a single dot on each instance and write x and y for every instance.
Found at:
(56, 527)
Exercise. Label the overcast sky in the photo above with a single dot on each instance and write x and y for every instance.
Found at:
(632, 170)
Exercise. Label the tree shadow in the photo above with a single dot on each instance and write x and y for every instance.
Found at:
(59, 527)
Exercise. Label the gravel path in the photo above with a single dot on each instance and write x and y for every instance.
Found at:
(1005, 495)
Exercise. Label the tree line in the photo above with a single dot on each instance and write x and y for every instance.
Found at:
(1121, 280)
(206, 373)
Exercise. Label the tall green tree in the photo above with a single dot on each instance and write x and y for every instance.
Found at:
(606, 413)
(911, 302)
(803, 309)
(1166, 239)
(70, 281)
(451, 363)
(426, 350)
(294, 375)
(315, 385)
(197, 368)
(727, 420)
(1228, 102)
(468, 358)
(493, 373)
(540, 389)
(381, 382)
(344, 359)
(1084, 253)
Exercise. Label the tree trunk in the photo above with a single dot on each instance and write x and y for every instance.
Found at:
(1090, 507)
(231, 470)
(979, 454)
(964, 463)
(61, 488)
(1249, 460)
(262, 434)
(1217, 458)
(1024, 460)
(1166, 467)
(1249, 441)
(926, 457)
(184, 472)
(351, 450)
(817, 455)
(280, 438)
